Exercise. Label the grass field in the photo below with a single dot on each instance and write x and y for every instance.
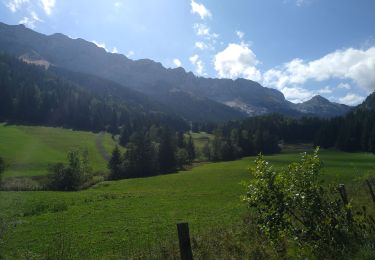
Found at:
(114, 218)
(29, 150)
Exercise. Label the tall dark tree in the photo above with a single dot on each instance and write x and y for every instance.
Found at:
(2, 168)
(167, 151)
(190, 148)
(115, 165)
(180, 139)
(140, 158)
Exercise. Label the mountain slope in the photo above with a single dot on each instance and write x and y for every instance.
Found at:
(369, 102)
(30, 94)
(321, 106)
(149, 77)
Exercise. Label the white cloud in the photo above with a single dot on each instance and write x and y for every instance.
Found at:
(28, 22)
(198, 63)
(297, 94)
(114, 50)
(354, 64)
(351, 99)
(15, 5)
(101, 45)
(325, 90)
(48, 5)
(344, 86)
(240, 34)
(205, 31)
(31, 20)
(200, 9)
(177, 62)
(201, 45)
(130, 54)
(237, 60)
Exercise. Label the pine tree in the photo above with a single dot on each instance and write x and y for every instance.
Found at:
(180, 139)
(140, 158)
(114, 165)
(125, 135)
(2, 167)
(190, 148)
(206, 150)
(167, 151)
(371, 144)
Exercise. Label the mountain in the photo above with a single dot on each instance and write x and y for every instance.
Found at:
(321, 106)
(194, 98)
(369, 103)
(176, 103)
(33, 95)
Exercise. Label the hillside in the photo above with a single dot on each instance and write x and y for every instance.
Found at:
(369, 102)
(29, 150)
(30, 94)
(149, 77)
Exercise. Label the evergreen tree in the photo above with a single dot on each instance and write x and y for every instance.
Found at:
(2, 168)
(167, 151)
(182, 157)
(114, 165)
(206, 150)
(125, 135)
(180, 139)
(190, 148)
(217, 146)
(140, 158)
(371, 144)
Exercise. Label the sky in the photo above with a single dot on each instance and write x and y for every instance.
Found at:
(301, 47)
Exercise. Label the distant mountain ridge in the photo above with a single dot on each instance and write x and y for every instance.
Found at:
(323, 107)
(220, 99)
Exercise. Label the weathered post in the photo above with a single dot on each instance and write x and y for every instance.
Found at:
(184, 241)
(371, 190)
(344, 197)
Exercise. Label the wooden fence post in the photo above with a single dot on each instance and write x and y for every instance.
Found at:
(344, 197)
(184, 241)
(371, 190)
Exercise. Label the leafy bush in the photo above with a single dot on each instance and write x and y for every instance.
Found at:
(293, 205)
(72, 176)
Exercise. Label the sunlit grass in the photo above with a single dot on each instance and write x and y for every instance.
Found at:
(29, 150)
(115, 217)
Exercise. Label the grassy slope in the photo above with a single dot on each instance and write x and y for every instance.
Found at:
(135, 213)
(29, 150)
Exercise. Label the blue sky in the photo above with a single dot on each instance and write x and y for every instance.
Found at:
(300, 47)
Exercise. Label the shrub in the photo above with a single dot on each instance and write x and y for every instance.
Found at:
(72, 176)
(293, 205)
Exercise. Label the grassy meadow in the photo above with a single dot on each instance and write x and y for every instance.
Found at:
(113, 219)
(29, 150)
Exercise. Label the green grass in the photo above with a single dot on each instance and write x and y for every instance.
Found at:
(114, 218)
(29, 150)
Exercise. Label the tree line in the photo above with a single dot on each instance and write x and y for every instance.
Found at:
(234, 139)
(157, 150)
(352, 133)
